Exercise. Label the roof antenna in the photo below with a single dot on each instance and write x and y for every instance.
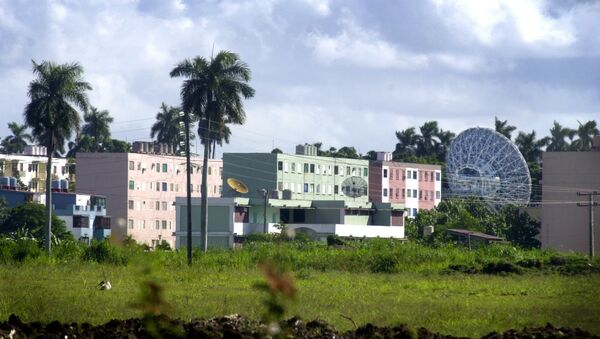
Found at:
(213, 51)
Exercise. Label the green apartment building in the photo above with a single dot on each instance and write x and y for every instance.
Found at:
(300, 176)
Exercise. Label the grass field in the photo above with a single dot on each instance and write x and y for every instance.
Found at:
(457, 304)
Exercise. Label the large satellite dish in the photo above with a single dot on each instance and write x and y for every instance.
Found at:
(237, 185)
(483, 163)
(355, 187)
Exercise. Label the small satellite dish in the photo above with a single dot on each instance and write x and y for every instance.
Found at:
(354, 187)
(237, 185)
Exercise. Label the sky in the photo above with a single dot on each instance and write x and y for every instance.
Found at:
(344, 73)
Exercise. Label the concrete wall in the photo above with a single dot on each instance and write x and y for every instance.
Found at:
(565, 226)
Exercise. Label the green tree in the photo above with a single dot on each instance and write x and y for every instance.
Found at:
(54, 95)
(585, 136)
(530, 147)
(16, 142)
(167, 128)
(97, 126)
(118, 146)
(347, 152)
(407, 144)
(427, 142)
(445, 139)
(503, 127)
(558, 134)
(521, 228)
(31, 216)
(213, 91)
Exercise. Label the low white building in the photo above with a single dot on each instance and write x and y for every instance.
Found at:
(30, 167)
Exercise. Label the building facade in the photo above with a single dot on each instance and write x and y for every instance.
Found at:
(30, 168)
(417, 186)
(141, 188)
(302, 176)
(565, 226)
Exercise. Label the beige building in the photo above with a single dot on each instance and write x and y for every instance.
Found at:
(565, 226)
(30, 168)
(140, 190)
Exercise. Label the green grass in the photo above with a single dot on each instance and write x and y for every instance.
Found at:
(456, 304)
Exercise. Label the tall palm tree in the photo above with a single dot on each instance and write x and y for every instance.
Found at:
(97, 127)
(427, 142)
(55, 94)
(407, 143)
(16, 142)
(167, 127)
(585, 135)
(213, 91)
(557, 142)
(445, 138)
(503, 127)
(530, 147)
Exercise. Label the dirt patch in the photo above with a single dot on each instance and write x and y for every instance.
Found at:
(236, 326)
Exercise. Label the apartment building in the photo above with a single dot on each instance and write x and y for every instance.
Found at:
(418, 186)
(141, 188)
(30, 167)
(300, 176)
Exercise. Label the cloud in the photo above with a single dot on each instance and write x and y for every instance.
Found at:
(359, 46)
(495, 21)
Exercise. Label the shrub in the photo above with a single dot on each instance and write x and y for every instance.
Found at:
(26, 249)
(67, 250)
(501, 267)
(334, 240)
(384, 263)
(105, 252)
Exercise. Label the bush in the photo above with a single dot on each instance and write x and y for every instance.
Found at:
(501, 267)
(384, 263)
(105, 252)
(25, 249)
(334, 240)
(67, 250)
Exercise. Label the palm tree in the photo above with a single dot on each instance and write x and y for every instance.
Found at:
(530, 148)
(407, 143)
(585, 134)
(445, 138)
(218, 134)
(16, 142)
(55, 94)
(503, 127)
(558, 134)
(97, 127)
(167, 127)
(213, 92)
(426, 143)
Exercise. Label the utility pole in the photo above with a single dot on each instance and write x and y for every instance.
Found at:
(265, 193)
(188, 164)
(590, 204)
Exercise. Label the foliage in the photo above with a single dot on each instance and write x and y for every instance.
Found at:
(432, 144)
(168, 127)
(503, 127)
(32, 217)
(105, 251)
(16, 142)
(585, 134)
(530, 147)
(97, 128)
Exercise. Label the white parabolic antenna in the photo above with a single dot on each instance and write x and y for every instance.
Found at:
(483, 163)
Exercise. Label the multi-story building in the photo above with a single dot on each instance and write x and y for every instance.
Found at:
(141, 188)
(30, 167)
(84, 215)
(565, 226)
(303, 176)
(418, 186)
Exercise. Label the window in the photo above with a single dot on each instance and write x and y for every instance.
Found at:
(280, 165)
(220, 189)
(437, 176)
(385, 173)
(438, 194)
(397, 174)
(391, 174)
(385, 192)
(164, 224)
(209, 170)
(365, 172)
(139, 166)
(420, 176)
(426, 193)
(157, 224)
(164, 186)
(131, 165)
(408, 174)
(285, 185)
(414, 174)
(420, 194)
(426, 176)
(299, 167)
(414, 193)
(397, 192)
(164, 168)
(312, 168)
(336, 189)
(353, 170)
(158, 186)
(318, 169)
(335, 170)
(293, 167)
(171, 187)
(157, 167)
(414, 210)
(305, 188)
(285, 167)
(280, 185)
(330, 189)
(318, 189)
(157, 205)
(404, 194)
(164, 205)
(347, 170)
(151, 185)
(311, 188)
(176, 187)
(130, 204)
(305, 168)
(131, 184)
(130, 224)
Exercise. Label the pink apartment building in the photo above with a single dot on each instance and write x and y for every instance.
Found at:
(417, 186)
(140, 190)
